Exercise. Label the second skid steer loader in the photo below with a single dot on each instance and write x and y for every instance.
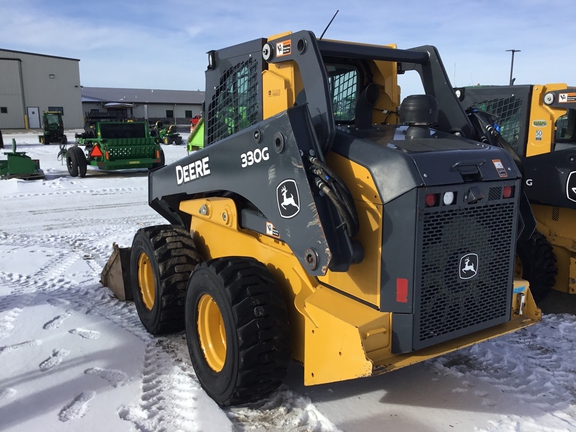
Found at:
(539, 124)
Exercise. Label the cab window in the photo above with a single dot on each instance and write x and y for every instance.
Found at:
(343, 83)
(566, 128)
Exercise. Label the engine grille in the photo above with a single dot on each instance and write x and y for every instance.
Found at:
(450, 306)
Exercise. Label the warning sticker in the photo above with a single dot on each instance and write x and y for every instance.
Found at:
(271, 230)
(284, 48)
(500, 168)
(567, 97)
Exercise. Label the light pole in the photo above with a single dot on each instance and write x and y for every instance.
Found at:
(512, 65)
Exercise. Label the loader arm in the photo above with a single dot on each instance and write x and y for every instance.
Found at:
(266, 168)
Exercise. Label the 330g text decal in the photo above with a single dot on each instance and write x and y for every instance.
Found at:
(254, 156)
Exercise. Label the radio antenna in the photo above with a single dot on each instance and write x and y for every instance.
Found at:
(322, 35)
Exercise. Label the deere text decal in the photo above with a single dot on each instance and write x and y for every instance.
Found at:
(192, 171)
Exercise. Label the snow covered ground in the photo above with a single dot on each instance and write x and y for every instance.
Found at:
(74, 358)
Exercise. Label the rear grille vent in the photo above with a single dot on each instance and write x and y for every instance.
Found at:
(449, 305)
(495, 194)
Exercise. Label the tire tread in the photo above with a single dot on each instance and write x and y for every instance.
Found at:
(262, 326)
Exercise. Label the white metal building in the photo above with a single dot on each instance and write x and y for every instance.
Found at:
(173, 106)
(32, 83)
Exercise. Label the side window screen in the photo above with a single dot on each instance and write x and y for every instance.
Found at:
(343, 81)
(566, 128)
(509, 112)
(234, 106)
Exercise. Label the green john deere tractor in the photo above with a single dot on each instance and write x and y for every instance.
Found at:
(53, 127)
(165, 134)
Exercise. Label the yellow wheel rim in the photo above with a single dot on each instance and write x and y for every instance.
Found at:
(146, 281)
(211, 333)
(518, 269)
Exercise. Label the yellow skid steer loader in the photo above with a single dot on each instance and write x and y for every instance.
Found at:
(326, 221)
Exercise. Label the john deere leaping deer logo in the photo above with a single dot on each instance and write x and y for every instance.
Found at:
(468, 266)
(288, 199)
(571, 186)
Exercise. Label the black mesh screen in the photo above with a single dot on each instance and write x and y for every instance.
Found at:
(495, 193)
(450, 306)
(344, 89)
(509, 112)
(234, 105)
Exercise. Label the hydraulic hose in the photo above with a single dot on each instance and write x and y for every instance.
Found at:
(483, 126)
(337, 191)
(351, 227)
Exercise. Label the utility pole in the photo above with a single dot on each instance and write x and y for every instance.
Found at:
(512, 65)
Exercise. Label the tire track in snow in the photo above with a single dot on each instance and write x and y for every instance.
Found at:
(19, 296)
(91, 192)
(87, 208)
(169, 388)
(23, 289)
(49, 277)
(169, 385)
(27, 344)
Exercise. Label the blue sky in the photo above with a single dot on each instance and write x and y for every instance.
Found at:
(163, 44)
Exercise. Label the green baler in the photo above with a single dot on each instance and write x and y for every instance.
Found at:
(114, 146)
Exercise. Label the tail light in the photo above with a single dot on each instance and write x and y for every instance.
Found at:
(508, 192)
(431, 200)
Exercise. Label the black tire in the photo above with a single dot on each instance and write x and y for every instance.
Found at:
(82, 162)
(179, 140)
(162, 160)
(536, 262)
(76, 162)
(244, 354)
(161, 260)
(72, 161)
